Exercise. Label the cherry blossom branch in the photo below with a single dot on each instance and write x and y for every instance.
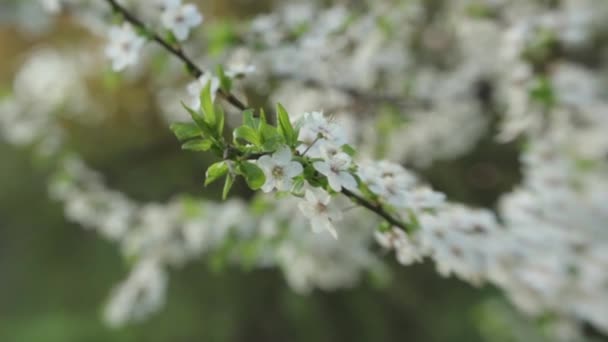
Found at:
(196, 72)
(192, 68)
(376, 208)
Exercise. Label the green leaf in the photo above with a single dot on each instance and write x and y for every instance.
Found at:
(349, 150)
(285, 127)
(298, 186)
(227, 185)
(200, 122)
(271, 138)
(249, 120)
(185, 131)
(215, 171)
(248, 134)
(253, 175)
(170, 37)
(225, 81)
(263, 119)
(220, 121)
(542, 92)
(198, 119)
(197, 145)
(207, 105)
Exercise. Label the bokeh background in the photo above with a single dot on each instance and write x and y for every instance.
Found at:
(55, 276)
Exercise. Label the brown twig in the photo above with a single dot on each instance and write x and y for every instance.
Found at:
(192, 68)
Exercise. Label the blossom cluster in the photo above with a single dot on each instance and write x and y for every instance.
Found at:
(124, 46)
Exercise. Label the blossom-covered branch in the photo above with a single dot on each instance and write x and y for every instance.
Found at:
(192, 68)
(228, 149)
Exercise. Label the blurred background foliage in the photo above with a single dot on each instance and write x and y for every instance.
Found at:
(55, 276)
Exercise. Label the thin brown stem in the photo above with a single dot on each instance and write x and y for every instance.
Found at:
(376, 208)
(192, 68)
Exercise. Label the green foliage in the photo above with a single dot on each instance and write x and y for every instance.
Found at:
(198, 145)
(207, 106)
(215, 171)
(271, 138)
(285, 127)
(225, 81)
(247, 134)
(185, 131)
(542, 92)
(253, 175)
(227, 185)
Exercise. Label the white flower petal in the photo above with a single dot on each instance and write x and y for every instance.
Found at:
(334, 182)
(266, 163)
(322, 167)
(282, 156)
(348, 181)
(293, 169)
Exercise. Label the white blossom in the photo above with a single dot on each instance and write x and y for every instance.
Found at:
(279, 170)
(124, 46)
(317, 209)
(316, 131)
(336, 167)
(240, 70)
(424, 198)
(142, 293)
(180, 19)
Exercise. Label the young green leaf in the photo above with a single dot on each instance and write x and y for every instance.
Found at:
(225, 81)
(215, 171)
(207, 105)
(185, 131)
(227, 185)
(249, 120)
(198, 119)
(263, 119)
(220, 121)
(298, 186)
(197, 145)
(253, 175)
(271, 138)
(349, 150)
(248, 134)
(285, 127)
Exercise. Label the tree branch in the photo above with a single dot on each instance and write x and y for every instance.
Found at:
(376, 208)
(192, 68)
(197, 72)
